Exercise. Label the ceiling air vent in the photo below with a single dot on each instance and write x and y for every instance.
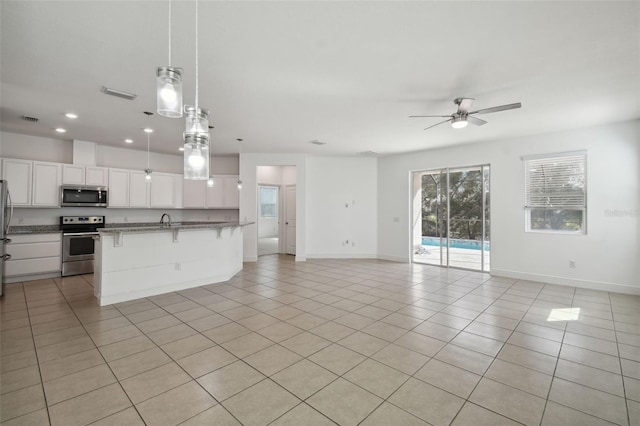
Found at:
(118, 93)
(31, 119)
(317, 142)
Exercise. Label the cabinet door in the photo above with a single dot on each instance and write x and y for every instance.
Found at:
(18, 174)
(231, 193)
(162, 190)
(215, 194)
(72, 174)
(97, 176)
(138, 189)
(177, 198)
(46, 184)
(118, 188)
(194, 194)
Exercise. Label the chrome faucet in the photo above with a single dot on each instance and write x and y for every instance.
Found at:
(162, 219)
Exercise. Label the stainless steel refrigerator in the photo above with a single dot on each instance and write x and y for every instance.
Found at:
(6, 210)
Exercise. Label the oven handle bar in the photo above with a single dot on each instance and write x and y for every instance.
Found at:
(79, 234)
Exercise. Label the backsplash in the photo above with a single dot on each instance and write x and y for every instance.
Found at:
(29, 216)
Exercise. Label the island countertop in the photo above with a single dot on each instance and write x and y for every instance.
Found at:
(156, 227)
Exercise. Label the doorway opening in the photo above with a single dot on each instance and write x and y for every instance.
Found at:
(268, 223)
(276, 209)
(451, 217)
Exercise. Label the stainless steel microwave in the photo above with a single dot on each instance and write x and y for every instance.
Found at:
(83, 196)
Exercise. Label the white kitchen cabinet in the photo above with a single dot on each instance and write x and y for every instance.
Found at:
(231, 193)
(46, 184)
(75, 174)
(223, 194)
(33, 256)
(138, 189)
(97, 176)
(163, 190)
(18, 173)
(118, 188)
(215, 194)
(194, 194)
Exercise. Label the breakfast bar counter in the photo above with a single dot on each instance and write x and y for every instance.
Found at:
(136, 261)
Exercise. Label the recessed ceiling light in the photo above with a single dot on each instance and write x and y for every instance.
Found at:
(128, 140)
(181, 148)
(60, 130)
(148, 130)
(71, 115)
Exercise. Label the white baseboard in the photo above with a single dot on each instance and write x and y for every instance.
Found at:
(341, 256)
(393, 258)
(250, 259)
(31, 277)
(300, 258)
(550, 279)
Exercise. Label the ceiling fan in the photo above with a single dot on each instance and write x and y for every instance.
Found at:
(463, 116)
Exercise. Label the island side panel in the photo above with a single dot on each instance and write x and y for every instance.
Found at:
(153, 263)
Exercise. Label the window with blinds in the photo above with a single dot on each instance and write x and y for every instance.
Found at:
(556, 192)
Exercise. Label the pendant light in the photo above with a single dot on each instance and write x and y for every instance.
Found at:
(148, 131)
(196, 134)
(169, 86)
(239, 154)
(211, 182)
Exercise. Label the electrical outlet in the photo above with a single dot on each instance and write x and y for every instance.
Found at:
(20, 221)
(126, 219)
(353, 243)
(178, 266)
(396, 219)
(572, 264)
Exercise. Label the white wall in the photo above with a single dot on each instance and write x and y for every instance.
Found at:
(23, 147)
(249, 199)
(13, 145)
(341, 207)
(606, 257)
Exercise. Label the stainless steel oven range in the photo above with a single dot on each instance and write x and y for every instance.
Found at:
(77, 243)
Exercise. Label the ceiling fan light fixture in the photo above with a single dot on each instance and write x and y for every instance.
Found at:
(459, 122)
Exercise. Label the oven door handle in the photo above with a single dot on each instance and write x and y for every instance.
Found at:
(80, 234)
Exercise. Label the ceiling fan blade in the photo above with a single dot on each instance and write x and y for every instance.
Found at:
(420, 116)
(437, 124)
(497, 108)
(476, 121)
(464, 104)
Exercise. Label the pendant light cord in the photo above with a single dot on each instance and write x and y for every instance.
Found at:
(148, 139)
(169, 32)
(196, 57)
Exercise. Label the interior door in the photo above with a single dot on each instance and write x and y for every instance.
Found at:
(290, 219)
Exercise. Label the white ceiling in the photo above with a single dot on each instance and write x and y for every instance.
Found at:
(281, 74)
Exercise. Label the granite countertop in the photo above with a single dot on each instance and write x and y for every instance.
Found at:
(34, 229)
(156, 227)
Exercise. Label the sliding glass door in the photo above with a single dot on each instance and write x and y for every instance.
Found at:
(451, 217)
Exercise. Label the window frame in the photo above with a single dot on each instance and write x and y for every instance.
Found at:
(529, 209)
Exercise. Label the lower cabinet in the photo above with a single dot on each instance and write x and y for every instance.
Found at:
(33, 256)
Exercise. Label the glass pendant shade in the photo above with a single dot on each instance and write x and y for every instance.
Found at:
(196, 121)
(169, 92)
(147, 175)
(196, 156)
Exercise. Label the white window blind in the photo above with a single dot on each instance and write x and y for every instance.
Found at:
(556, 182)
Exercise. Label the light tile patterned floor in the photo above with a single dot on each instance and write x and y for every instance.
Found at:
(323, 342)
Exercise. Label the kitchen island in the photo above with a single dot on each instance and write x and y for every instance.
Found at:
(132, 261)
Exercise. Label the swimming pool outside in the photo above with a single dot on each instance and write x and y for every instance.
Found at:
(455, 243)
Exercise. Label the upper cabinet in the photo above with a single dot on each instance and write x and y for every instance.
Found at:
(118, 188)
(223, 195)
(18, 174)
(46, 184)
(164, 190)
(75, 174)
(33, 183)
